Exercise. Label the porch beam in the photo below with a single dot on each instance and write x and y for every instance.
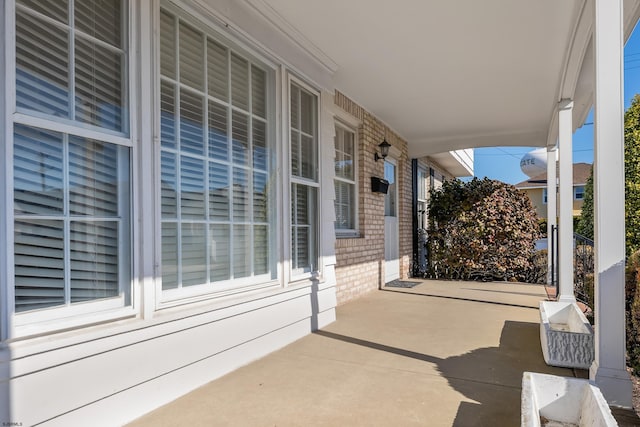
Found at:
(565, 202)
(552, 212)
(609, 367)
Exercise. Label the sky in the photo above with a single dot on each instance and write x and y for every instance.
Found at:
(503, 163)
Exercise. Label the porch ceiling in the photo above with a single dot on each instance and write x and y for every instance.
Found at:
(448, 75)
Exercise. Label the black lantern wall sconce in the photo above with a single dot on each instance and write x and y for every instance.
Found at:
(380, 185)
(384, 150)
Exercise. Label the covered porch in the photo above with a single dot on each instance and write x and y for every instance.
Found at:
(439, 354)
(244, 213)
(449, 78)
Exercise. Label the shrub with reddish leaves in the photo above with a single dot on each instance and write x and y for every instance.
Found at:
(482, 230)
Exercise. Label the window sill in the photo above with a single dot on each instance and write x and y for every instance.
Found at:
(65, 324)
(348, 235)
(240, 292)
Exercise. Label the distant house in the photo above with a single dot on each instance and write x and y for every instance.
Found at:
(536, 189)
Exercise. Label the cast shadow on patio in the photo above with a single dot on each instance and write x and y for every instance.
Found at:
(490, 378)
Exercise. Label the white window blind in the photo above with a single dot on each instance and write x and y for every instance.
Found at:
(303, 233)
(422, 184)
(345, 181)
(72, 68)
(216, 167)
(422, 198)
(71, 208)
(71, 194)
(304, 171)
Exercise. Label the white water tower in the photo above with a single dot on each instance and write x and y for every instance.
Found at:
(534, 162)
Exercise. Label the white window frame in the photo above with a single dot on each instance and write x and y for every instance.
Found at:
(77, 127)
(350, 232)
(298, 274)
(422, 216)
(545, 195)
(210, 290)
(576, 193)
(436, 179)
(393, 192)
(79, 314)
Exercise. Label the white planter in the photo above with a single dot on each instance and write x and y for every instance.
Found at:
(549, 400)
(566, 335)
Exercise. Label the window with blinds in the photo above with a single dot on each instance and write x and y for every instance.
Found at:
(71, 194)
(304, 179)
(216, 162)
(70, 60)
(345, 181)
(422, 198)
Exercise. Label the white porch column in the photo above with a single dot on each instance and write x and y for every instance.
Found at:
(565, 202)
(609, 367)
(552, 212)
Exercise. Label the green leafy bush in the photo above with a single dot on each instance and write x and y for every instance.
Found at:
(632, 174)
(585, 221)
(632, 306)
(590, 296)
(632, 183)
(481, 230)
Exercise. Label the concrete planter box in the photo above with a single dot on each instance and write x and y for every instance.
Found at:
(566, 335)
(549, 400)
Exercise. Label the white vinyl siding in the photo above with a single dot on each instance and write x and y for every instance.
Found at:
(345, 181)
(71, 193)
(303, 131)
(216, 163)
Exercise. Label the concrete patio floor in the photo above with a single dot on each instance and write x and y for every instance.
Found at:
(437, 354)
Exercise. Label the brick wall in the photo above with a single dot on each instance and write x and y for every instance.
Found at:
(360, 260)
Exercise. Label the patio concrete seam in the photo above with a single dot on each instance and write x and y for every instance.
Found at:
(462, 299)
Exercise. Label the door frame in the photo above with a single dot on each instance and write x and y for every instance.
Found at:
(391, 230)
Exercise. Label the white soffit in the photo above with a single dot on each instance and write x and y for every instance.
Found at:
(451, 162)
(445, 75)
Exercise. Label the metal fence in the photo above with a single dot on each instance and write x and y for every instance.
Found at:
(553, 248)
(583, 264)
